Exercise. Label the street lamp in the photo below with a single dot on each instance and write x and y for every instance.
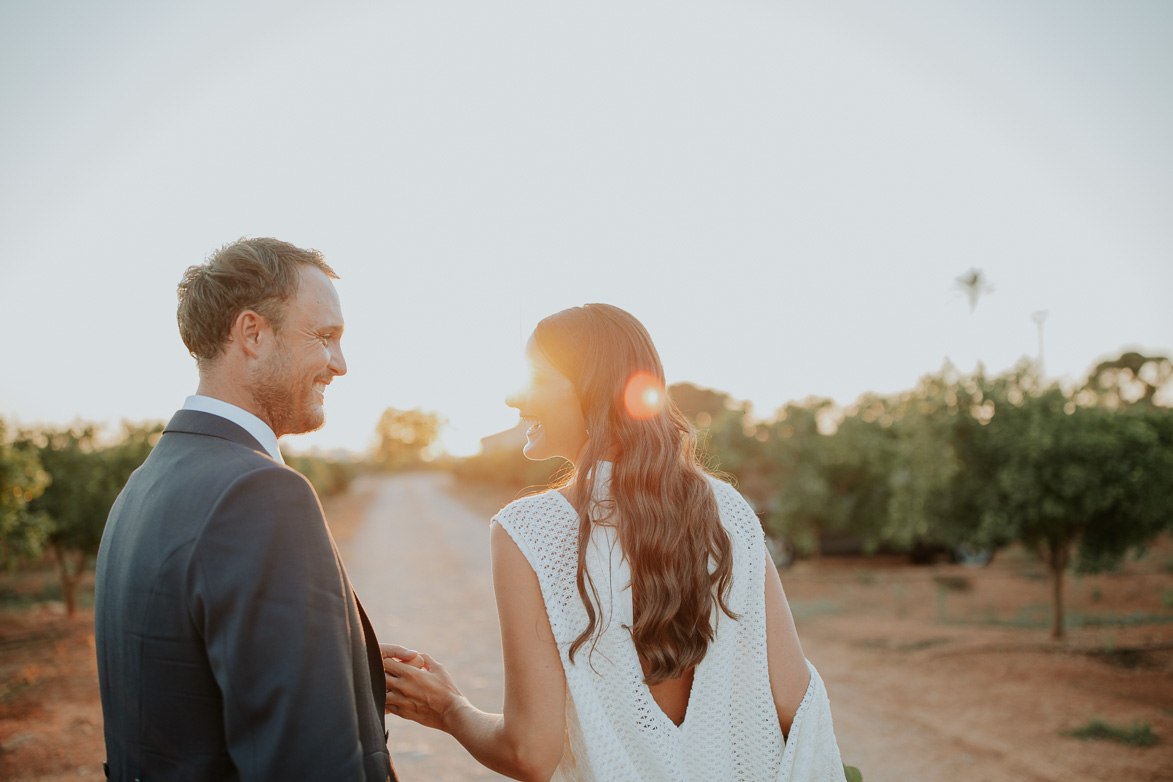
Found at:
(1039, 318)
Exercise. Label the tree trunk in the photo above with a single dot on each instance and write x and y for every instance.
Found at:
(79, 570)
(68, 580)
(1057, 564)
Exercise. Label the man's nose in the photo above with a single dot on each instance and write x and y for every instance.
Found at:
(337, 362)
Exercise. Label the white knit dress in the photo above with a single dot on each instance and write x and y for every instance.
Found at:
(615, 730)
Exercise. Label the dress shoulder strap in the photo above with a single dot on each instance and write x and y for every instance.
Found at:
(541, 525)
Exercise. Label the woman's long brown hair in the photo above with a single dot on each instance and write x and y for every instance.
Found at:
(660, 499)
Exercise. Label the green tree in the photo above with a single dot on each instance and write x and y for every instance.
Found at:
(1133, 378)
(924, 465)
(403, 437)
(509, 468)
(329, 477)
(1073, 482)
(831, 473)
(22, 480)
(85, 479)
(937, 470)
(699, 405)
(803, 504)
(736, 446)
(727, 440)
(861, 452)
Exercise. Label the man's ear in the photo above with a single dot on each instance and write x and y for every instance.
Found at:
(252, 332)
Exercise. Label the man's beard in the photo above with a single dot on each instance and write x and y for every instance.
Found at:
(275, 394)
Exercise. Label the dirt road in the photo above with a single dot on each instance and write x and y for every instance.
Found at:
(420, 564)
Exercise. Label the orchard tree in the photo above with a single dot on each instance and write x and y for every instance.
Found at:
(1074, 483)
(73, 502)
(402, 437)
(1132, 379)
(735, 445)
(85, 479)
(938, 470)
(803, 505)
(859, 461)
(728, 441)
(832, 472)
(699, 405)
(508, 467)
(22, 480)
(329, 477)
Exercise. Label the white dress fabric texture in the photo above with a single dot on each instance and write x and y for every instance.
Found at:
(615, 730)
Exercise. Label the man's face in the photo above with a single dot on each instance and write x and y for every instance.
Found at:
(291, 383)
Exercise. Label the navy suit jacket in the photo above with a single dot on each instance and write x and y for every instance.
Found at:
(230, 643)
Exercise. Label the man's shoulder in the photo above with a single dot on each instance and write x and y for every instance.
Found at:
(197, 482)
(271, 509)
(280, 484)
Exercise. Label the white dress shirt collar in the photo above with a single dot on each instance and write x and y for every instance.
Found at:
(239, 416)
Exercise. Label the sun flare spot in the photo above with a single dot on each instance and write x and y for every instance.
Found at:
(644, 396)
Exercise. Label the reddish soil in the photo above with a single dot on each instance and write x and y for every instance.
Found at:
(50, 717)
(950, 673)
(937, 672)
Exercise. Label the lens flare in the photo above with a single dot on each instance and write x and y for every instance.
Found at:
(644, 396)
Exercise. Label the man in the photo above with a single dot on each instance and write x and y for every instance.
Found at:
(230, 643)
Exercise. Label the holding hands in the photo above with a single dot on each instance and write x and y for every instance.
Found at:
(419, 688)
(529, 745)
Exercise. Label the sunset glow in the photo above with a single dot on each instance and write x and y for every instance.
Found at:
(460, 210)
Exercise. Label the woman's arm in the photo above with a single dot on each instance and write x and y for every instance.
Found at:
(789, 676)
(525, 742)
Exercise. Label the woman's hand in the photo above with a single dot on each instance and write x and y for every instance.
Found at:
(401, 653)
(419, 688)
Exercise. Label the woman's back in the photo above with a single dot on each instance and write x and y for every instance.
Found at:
(671, 695)
(616, 728)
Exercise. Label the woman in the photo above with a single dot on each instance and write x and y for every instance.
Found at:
(644, 629)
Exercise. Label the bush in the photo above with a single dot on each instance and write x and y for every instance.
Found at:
(329, 477)
(1139, 734)
(509, 468)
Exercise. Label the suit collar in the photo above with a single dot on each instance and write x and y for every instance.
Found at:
(209, 425)
(238, 415)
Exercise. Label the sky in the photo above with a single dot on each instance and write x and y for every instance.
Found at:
(783, 193)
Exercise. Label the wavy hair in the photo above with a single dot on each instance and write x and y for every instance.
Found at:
(660, 498)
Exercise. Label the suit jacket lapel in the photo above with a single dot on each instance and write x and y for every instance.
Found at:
(375, 662)
(198, 422)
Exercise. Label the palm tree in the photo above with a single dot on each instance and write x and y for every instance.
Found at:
(974, 284)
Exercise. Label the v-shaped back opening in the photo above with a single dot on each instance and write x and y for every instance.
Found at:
(672, 696)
